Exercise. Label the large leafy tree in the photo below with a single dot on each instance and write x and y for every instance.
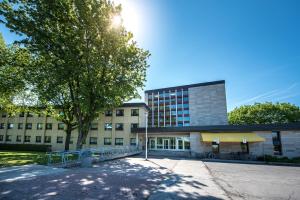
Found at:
(96, 65)
(265, 113)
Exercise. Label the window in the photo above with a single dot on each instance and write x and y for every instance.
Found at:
(215, 147)
(60, 126)
(120, 112)
(10, 126)
(3, 115)
(119, 141)
(245, 147)
(2, 126)
(134, 125)
(71, 140)
(47, 139)
(1, 137)
(134, 112)
(108, 126)
(19, 138)
(277, 143)
(187, 145)
(22, 114)
(27, 138)
(8, 138)
(49, 126)
(20, 126)
(132, 141)
(107, 141)
(38, 139)
(93, 140)
(119, 127)
(39, 126)
(29, 114)
(28, 126)
(59, 140)
(94, 126)
(108, 113)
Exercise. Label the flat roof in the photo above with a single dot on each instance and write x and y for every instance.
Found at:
(221, 128)
(187, 86)
(135, 104)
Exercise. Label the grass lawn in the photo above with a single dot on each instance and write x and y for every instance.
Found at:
(13, 158)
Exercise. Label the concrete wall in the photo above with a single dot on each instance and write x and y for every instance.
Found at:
(100, 134)
(208, 105)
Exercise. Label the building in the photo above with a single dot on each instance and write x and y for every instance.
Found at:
(188, 105)
(189, 120)
(112, 128)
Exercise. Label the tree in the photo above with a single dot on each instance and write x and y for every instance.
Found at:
(265, 113)
(99, 66)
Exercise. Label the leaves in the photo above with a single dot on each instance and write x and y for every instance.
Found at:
(265, 113)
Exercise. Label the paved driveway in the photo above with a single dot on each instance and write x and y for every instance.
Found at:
(129, 178)
(250, 181)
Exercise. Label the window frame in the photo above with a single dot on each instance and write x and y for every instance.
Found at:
(121, 125)
(94, 142)
(133, 114)
(107, 143)
(119, 143)
(118, 114)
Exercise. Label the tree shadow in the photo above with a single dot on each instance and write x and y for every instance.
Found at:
(118, 179)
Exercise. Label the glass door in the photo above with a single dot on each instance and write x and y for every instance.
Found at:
(166, 143)
(152, 143)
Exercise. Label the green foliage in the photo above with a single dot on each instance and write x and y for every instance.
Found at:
(14, 158)
(269, 158)
(82, 64)
(265, 113)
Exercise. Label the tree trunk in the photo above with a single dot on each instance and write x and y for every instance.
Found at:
(68, 137)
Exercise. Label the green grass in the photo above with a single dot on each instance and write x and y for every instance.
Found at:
(15, 158)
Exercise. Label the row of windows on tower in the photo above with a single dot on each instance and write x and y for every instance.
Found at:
(168, 94)
(61, 126)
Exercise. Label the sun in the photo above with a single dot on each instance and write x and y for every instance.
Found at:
(131, 17)
(116, 21)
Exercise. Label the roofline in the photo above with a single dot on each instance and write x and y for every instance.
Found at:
(221, 128)
(135, 104)
(188, 86)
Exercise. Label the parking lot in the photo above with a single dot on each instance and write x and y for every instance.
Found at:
(252, 181)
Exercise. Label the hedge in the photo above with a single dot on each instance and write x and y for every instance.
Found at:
(25, 147)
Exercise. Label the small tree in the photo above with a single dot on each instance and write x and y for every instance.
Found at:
(97, 65)
(265, 113)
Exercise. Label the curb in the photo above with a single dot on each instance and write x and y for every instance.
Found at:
(252, 162)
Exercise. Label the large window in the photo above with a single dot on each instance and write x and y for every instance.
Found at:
(119, 112)
(119, 141)
(132, 141)
(60, 126)
(2, 126)
(108, 113)
(8, 138)
(215, 147)
(29, 114)
(1, 137)
(277, 143)
(19, 138)
(10, 126)
(134, 112)
(245, 147)
(107, 141)
(119, 126)
(134, 125)
(108, 126)
(20, 126)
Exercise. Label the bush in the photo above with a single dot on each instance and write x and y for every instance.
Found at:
(269, 158)
(26, 147)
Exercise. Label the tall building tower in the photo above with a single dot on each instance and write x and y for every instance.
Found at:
(196, 104)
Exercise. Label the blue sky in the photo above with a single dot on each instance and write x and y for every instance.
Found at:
(253, 45)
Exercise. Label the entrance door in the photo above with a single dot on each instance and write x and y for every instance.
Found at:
(166, 143)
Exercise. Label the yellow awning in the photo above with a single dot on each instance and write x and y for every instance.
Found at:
(231, 137)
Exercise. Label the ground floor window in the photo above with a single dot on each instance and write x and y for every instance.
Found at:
(215, 147)
(169, 143)
(59, 140)
(27, 138)
(38, 139)
(132, 141)
(119, 141)
(47, 139)
(277, 143)
(19, 138)
(8, 138)
(1, 137)
(107, 141)
(93, 140)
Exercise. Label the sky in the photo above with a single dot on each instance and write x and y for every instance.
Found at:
(253, 45)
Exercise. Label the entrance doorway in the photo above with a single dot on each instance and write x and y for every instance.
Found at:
(166, 143)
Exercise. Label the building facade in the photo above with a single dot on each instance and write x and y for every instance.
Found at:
(187, 105)
(112, 128)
